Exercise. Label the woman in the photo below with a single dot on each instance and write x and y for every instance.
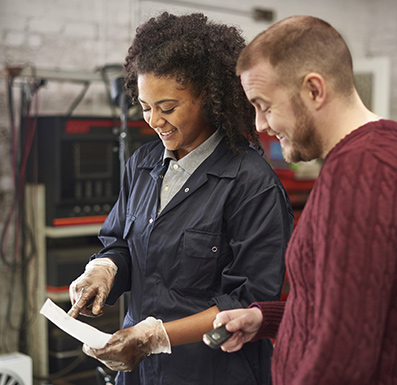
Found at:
(201, 223)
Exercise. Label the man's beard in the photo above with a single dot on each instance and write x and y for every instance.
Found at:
(304, 145)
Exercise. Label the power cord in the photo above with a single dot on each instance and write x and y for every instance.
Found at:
(102, 377)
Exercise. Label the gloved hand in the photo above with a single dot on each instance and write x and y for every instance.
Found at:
(88, 292)
(128, 347)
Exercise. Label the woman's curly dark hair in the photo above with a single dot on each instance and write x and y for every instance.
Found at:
(200, 54)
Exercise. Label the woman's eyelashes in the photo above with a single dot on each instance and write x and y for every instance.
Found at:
(169, 111)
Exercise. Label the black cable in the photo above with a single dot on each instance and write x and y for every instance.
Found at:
(66, 370)
(12, 264)
(24, 247)
(104, 74)
(16, 211)
(10, 82)
(103, 378)
(78, 99)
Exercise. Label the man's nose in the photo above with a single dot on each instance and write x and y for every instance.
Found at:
(261, 123)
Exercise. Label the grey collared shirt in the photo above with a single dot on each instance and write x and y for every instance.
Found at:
(179, 171)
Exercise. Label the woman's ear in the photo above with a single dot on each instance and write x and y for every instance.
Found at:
(313, 90)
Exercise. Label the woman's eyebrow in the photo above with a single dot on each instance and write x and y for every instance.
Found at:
(158, 102)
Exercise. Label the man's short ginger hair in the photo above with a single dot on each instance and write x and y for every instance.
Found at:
(298, 45)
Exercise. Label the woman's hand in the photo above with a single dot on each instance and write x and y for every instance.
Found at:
(128, 347)
(88, 292)
(243, 323)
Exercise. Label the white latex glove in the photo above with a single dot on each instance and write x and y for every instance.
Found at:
(88, 292)
(128, 347)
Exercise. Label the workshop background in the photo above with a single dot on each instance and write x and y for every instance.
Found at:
(88, 41)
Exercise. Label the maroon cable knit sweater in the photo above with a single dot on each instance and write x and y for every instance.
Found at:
(340, 319)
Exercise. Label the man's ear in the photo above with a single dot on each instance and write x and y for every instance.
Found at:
(313, 90)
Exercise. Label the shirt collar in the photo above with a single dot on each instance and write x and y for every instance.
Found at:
(192, 160)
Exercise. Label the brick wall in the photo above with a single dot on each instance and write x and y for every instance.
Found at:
(85, 35)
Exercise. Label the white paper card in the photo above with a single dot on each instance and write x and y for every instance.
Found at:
(83, 332)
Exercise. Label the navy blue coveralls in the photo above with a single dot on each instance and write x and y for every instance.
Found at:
(220, 241)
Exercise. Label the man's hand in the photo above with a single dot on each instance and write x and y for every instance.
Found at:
(128, 347)
(88, 292)
(243, 323)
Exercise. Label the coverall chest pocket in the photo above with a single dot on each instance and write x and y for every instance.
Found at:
(199, 271)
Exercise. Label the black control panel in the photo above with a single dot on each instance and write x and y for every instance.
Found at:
(78, 161)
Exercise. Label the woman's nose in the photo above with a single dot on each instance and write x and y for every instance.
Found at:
(155, 119)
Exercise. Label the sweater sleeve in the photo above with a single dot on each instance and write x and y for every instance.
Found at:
(272, 313)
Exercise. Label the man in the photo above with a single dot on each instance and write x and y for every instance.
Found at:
(338, 325)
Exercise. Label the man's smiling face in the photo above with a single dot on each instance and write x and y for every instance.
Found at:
(281, 113)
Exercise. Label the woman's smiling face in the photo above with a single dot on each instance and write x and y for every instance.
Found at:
(173, 112)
